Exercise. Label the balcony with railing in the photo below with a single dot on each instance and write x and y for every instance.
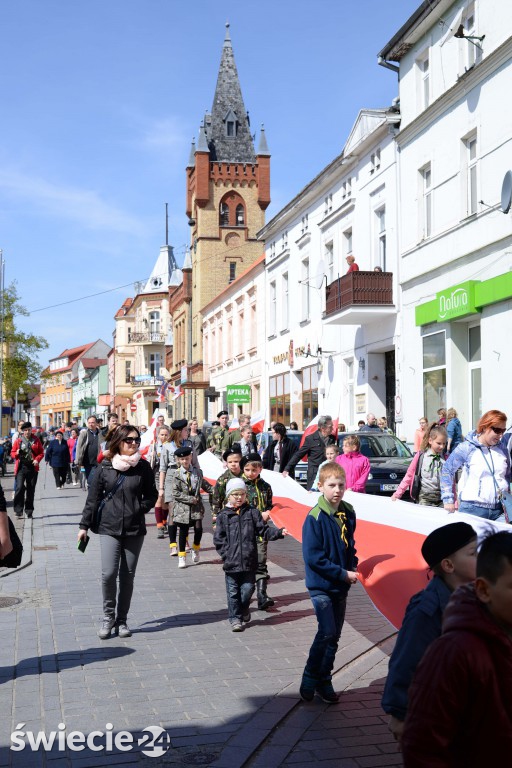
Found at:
(142, 381)
(147, 337)
(359, 297)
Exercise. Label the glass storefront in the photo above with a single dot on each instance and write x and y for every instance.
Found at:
(280, 398)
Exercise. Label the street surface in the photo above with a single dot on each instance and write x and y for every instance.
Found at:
(225, 699)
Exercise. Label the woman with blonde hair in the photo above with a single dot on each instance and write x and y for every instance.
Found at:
(454, 430)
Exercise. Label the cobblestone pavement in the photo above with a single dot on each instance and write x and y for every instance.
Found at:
(224, 699)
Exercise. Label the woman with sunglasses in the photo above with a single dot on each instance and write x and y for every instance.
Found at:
(485, 463)
(125, 485)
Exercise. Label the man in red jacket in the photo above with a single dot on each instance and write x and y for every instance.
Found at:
(27, 452)
(460, 700)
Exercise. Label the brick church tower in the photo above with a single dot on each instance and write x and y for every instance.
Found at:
(228, 190)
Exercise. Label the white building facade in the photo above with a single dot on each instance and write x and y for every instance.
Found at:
(234, 341)
(330, 336)
(454, 149)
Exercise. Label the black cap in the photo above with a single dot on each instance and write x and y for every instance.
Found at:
(222, 413)
(179, 424)
(26, 425)
(185, 450)
(235, 450)
(444, 541)
(251, 457)
(215, 424)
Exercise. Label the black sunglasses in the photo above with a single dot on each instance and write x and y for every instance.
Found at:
(131, 440)
(498, 430)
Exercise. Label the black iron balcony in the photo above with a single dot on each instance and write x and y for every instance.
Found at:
(148, 337)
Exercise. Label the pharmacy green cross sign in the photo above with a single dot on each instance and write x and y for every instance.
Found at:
(238, 394)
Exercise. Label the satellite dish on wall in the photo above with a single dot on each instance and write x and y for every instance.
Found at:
(319, 279)
(453, 28)
(506, 192)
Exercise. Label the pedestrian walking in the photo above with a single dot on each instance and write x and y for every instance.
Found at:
(196, 437)
(450, 553)
(235, 537)
(231, 458)
(57, 456)
(453, 429)
(88, 446)
(423, 476)
(121, 491)
(28, 454)
(177, 439)
(184, 485)
(279, 451)
(314, 446)
(161, 506)
(219, 440)
(330, 561)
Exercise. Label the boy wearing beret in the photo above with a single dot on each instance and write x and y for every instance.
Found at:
(188, 510)
(218, 441)
(450, 553)
(232, 458)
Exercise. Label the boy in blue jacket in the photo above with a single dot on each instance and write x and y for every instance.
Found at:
(330, 558)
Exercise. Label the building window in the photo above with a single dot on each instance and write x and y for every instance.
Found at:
(304, 224)
(309, 394)
(473, 48)
(224, 215)
(328, 205)
(279, 389)
(232, 271)
(285, 308)
(127, 371)
(230, 128)
(284, 241)
(129, 334)
(240, 215)
(471, 165)
(329, 260)
(273, 309)
(306, 289)
(426, 200)
(380, 216)
(154, 364)
(154, 322)
(347, 242)
(272, 250)
(375, 161)
(475, 372)
(434, 374)
(423, 65)
(346, 188)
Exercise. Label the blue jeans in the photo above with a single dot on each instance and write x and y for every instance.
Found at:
(330, 614)
(239, 590)
(470, 508)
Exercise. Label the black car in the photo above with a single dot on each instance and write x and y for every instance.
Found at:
(389, 460)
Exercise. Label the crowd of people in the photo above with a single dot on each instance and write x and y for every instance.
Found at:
(449, 671)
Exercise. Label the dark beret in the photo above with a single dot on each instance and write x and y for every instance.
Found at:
(26, 425)
(185, 450)
(222, 413)
(179, 424)
(235, 450)
(444, 541)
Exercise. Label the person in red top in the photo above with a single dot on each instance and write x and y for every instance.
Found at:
(27, 452)
(460, 700)
(355, 464)
(352, 266)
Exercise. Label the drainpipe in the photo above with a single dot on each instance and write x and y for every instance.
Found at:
(383, 63)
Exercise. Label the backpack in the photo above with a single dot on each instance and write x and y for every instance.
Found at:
(416, 481)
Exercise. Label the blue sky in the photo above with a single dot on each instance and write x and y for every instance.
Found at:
(100, 101)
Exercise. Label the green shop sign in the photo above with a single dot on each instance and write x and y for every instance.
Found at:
(238, 394)
(457, 301)
(87, 402)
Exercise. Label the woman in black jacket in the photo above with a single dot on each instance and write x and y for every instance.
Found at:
(121, 491)
(57, 456)
(280, 450)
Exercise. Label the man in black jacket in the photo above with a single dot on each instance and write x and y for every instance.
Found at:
(314, 446)
(279, 451)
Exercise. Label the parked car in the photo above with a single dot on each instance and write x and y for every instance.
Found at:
(389, 458)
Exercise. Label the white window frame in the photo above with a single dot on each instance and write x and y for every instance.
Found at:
(471, 165)
(347, 242)
(381, 242)
(306, 289)
(329, 259)
(273, 308)
(423, 76)
(285, 310)
(426, 198)
(474, 51)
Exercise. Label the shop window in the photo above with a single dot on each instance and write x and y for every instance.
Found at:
(475, 372)
(434, 374)
(309, 394)
(279, 403)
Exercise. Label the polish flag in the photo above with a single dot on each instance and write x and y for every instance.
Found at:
(235, 424)
(312, 427)
(178, 392)
(258, 422)
(335, 423)
(149, 436)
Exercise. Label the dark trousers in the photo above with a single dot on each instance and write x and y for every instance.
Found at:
(262, 572)
(60, 474)
(239, 590)
(183, 529)
(88, 469)
(330, 614)
(26, 480)
(119, 557)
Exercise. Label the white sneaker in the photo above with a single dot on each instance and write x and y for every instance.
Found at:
(174, 550)
(182, 561)
(195, 555)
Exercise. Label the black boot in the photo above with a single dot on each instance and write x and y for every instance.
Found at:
(264, 601)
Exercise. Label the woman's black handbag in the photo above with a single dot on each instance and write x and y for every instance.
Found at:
(13, 559)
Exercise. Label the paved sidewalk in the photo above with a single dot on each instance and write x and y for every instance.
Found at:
(224, 699)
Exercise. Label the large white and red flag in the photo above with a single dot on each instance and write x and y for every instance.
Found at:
(389, 535)
(149, 436)
(258, 422)
(311, 427)
(235, 424)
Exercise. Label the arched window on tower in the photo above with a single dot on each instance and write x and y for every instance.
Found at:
(240, 215)
(224, 215)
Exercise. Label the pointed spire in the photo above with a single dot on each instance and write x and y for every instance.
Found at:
(202, 144)
(262, 144)
(229, 135)
(192, 157)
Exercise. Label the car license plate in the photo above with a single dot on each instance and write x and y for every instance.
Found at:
(389, 487)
